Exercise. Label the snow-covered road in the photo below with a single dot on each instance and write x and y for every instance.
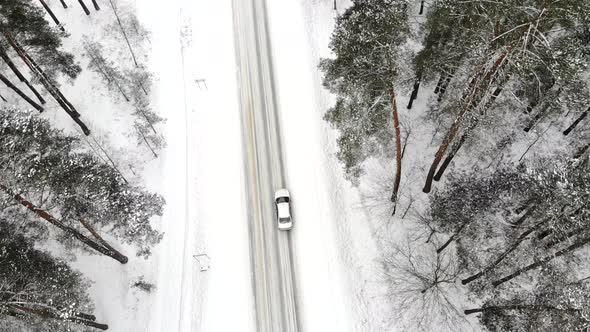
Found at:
(270, 248)
(333, 250)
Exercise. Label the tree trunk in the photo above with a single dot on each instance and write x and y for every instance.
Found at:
(20, 76)
(100, 239)
(73, 232)
(20, 93)
(398, 148)
(102, 68)
(578, 120)
(555, 241)
(110, 159)
(523, 207)
(408, 208)
(449, 158)
(51, 88)
(96, 7)
(411, 102)
(147, 143)
(535, 142)
(414, 93)
(121, 90)
(471, 95)
(147, 119)
(503, 255)
(544, 234)
(123, 32)
(536, 118)
(90, 323)
(530, 307)
(442, 149)
(53, 17)
(56, 314)
(63, 3)
(454, 150)
(494, 96)
(443, 87)
(81, 2)
(143, 88)
(36, 69)
(580, 243)
(439, 84)
(528, 212)
(452, 238)
(85, 316)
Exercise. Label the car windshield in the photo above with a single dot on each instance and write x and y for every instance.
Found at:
(283, 200)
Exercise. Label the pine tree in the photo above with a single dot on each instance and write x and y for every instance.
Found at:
(25, 23)
(366, 44)
(512, 42)
(554, 306)
(38, 46)
(39, 291)
(82, 194)
(53, 17)
(108, 70)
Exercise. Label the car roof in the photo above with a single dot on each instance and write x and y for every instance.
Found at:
(281, 193)
(283, 210)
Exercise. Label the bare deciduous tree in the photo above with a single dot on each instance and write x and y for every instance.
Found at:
(422, 286)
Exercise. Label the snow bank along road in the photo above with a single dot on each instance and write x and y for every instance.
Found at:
(272, 267)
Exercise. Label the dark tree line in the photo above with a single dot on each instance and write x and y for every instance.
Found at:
(506, 232)
(514, 239)
(47, 181)
(477, 50)
(51, 188)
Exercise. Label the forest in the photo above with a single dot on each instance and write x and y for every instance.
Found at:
(64, 190)
(465, 126)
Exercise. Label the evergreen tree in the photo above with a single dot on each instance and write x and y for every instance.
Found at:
(366, 43)
(83, 195)
(39, 292)
(24, 22)
(556, 306)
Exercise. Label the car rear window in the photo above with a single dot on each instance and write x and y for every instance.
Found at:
(283, 200)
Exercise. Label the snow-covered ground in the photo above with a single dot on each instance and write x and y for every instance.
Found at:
(203, 172)
(170, 99)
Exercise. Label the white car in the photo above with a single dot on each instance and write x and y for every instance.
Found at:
(282, 202)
